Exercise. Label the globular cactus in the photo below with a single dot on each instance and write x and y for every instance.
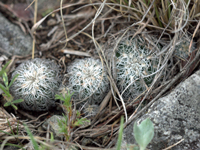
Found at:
(37, 84)
(88, 80)
(134, 61)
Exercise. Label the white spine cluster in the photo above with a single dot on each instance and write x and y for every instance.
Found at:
(134, 61)
(37, 84)
(88, 80)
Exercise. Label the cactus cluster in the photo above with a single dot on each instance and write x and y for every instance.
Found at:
(39, 80)
(134, 61)
(37, 84)
(88, 80)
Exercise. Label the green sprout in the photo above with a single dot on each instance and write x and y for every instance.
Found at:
(5, 88)
(144, 133)
(69, 122)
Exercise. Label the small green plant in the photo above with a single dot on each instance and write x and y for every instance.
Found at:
(4, 68)
(5, 88)
(119, 141)
(36, 146)
(14, 131)
(72, 118)
(143, 134)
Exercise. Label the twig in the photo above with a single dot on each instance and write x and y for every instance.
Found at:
(38, 118)
(61, 13)
(35, 20)
(174, 144)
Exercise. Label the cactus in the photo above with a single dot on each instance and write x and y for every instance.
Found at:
(37, 84)
(88, 80)
(134, 61)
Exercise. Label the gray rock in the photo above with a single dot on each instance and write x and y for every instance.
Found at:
(52, 122)
(13, 40)
(175, 117)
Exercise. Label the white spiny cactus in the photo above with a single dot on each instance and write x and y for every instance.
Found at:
(88, 80)
(134, 61)
(37, 84)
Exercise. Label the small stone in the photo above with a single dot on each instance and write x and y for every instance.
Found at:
(52, 122)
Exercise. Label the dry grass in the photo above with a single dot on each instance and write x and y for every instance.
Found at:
(8, 123)
(163, 13)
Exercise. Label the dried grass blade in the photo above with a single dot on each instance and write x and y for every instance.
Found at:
(73, 52)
